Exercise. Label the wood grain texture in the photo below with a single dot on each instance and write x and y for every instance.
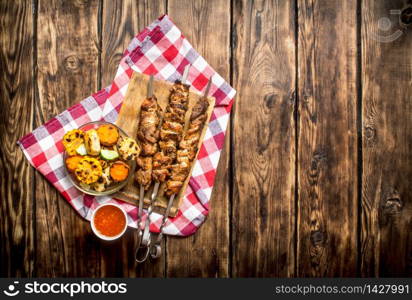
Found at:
(121, 20)
(327, 164)
(54, 53)
(206, 254)
(263, 141)
(17, 250)
(67, 62)
(386, 236)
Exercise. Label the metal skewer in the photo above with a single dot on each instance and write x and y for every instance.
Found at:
(140, 255)
(150, 87)
(143, 242)
(145, 238)
(143, 251)
(206, 93)
(156, 248)
(185, 74)
(184, 78)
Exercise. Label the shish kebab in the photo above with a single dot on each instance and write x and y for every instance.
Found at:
(171, 131)
(185, 155)
(157, 166)
(148, 135)
(189, 145)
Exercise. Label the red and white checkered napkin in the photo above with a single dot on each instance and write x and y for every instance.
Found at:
(162, 50)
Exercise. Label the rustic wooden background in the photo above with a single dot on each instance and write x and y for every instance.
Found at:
(315, 178)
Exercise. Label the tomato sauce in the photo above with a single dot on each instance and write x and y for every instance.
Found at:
(109, 220)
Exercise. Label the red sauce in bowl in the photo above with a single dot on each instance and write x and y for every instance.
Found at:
(109, 220)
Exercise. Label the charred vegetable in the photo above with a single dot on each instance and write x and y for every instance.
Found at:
(72, 140)
(92, 142)
(108, 134)
(128, 148)
(88, 170)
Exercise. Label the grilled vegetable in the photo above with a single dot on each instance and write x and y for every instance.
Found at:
(99, 186)
(92, 142)
(81, 150)
(108, 134)
(88, 170)
(109, 154)
(103, 182)
(103, 163)
(72, 162)
(72, 140)
(128, 148)
(106, 176)
(119, 171)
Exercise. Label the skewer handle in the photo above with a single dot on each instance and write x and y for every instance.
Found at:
(150, 87)
(186, 73)
(156, 248)
(141, 254)
(143, 250)
(206, 93)
(141, 203)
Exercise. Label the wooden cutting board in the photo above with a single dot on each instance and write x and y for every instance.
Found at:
(128, 120)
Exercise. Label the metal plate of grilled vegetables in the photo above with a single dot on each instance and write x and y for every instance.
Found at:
(99, 157)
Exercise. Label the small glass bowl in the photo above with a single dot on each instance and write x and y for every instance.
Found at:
(112, 188)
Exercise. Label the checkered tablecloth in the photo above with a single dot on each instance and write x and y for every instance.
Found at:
(160, 49)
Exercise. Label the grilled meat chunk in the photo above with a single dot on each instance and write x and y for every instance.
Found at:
(148, 132)
(161, 165)
(144, 173)
(171, 131)
(188, 147)
(148, 135)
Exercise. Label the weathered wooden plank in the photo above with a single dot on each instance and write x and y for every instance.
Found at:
(67, 43)
(206, 253)
(16, 119)
(263, 141)
(121, 21)
(386, 237)
(327, 139)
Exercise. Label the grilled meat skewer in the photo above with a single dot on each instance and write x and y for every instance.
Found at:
(148, 135)
(188, 146)
(148, 132)
(172, 129)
